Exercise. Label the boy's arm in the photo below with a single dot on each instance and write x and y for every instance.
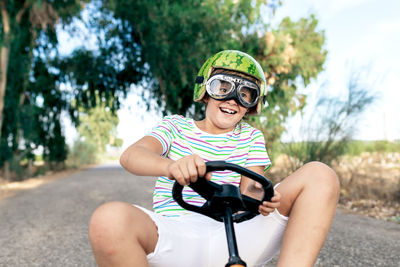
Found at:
(144, 158)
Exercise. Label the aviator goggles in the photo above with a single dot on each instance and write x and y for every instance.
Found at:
(226, 87)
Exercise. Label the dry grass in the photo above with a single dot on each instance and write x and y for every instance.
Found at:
(370, 183)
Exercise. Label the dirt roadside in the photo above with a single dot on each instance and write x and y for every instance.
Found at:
(7, 189)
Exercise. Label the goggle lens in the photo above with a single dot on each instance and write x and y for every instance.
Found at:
(220, 88)
(249, 95)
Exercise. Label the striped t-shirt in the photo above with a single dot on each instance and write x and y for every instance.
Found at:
(180, 137)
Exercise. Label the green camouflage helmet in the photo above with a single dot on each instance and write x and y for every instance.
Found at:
(236, 61)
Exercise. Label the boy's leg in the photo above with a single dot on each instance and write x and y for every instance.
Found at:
(309, 198)
(121, 235)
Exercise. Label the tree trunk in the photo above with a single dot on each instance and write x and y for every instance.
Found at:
(30, 168)
(5, 49)
(6, 171)
(4, 55)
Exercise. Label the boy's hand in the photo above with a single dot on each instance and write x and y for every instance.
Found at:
(254, 190)
(269, 206)
(186, 170)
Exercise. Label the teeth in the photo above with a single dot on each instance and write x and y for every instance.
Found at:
(229, 111)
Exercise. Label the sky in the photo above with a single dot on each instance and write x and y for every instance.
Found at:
(360, 35)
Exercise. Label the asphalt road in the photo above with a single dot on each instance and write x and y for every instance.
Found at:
(48, 225)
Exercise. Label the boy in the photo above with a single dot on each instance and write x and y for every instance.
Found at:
(296, 221)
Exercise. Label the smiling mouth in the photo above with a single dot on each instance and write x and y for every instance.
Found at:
(228, 111)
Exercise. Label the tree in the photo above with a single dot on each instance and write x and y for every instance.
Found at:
(162, 44)
(28, 20)
(98, 126)
(166, 42)
(289, 54)
(30, 99)
(155, 45)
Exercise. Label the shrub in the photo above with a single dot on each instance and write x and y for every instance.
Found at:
(82, 153)
(330, 127)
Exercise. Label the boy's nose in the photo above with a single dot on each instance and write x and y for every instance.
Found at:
(232, 102)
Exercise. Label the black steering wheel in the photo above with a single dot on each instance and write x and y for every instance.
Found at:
(219, 196)
(225, 202)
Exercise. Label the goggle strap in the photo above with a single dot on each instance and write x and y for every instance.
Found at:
(199, 79)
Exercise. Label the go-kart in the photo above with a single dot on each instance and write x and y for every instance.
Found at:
(225, 203)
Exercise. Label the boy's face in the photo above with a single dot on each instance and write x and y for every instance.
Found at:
(224, 115)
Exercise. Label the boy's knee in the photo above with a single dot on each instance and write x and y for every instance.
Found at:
(115, 223)
(108, 222)
(323, 176)
(107, 212)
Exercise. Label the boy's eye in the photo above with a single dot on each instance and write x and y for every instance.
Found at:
(225, 87)
(245, 95)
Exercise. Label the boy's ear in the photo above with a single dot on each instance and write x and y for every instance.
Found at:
(206, 98)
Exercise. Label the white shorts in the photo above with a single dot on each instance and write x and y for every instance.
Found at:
(197, 240)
